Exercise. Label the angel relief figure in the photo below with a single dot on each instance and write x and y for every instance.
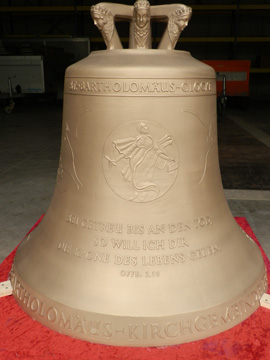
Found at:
(143, 157)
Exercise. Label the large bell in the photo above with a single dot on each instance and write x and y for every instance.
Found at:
(138, 246)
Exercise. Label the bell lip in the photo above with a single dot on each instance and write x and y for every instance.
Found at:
(64, 314)
(261, 276)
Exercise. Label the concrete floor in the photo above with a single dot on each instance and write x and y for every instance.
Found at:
(29, 148)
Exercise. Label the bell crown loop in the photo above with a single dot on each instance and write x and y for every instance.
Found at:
(140, 16)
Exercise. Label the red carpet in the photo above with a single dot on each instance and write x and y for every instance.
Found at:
(23, 338)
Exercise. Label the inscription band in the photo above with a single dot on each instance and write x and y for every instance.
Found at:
(140, 87)
(137, 331)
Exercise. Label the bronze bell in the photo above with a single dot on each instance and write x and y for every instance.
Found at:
(138, 246)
